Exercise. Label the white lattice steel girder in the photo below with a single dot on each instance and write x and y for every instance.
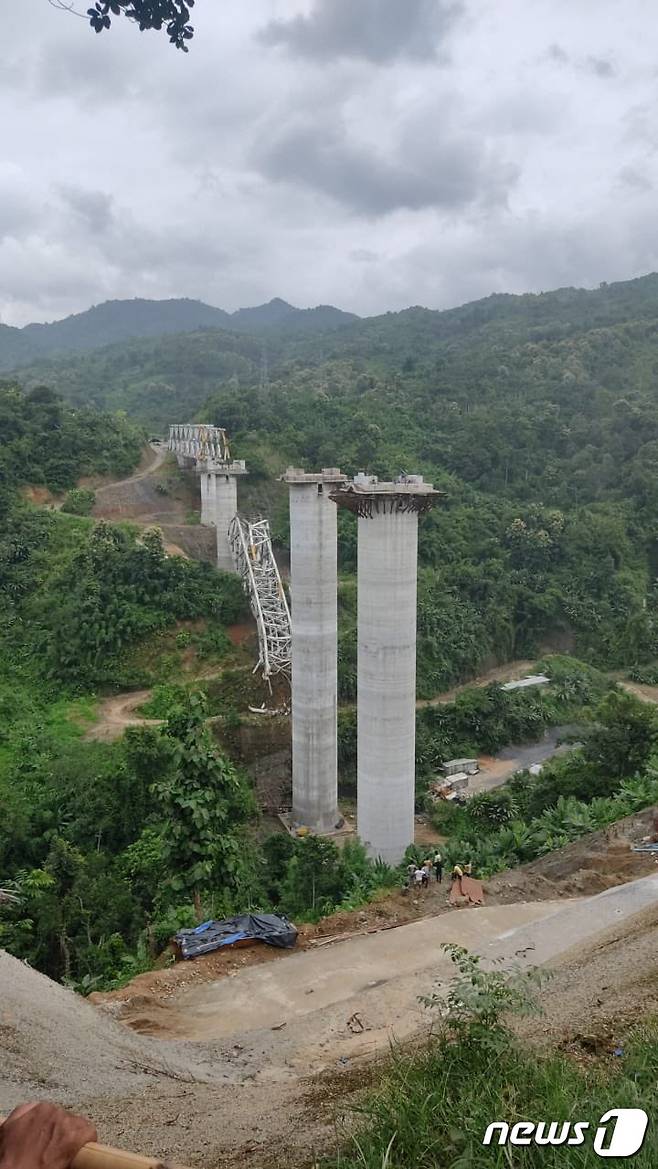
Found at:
(251, 545)
(200, 442)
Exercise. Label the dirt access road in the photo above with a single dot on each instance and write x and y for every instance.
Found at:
(640, 690)
(495, 770)
(351, 999)
(280, 1049)
(116, 713)
(224, 1083)
(151, 462)
(158, 454)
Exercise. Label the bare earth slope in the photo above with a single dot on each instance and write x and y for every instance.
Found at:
(145, 498)
(54, 1043)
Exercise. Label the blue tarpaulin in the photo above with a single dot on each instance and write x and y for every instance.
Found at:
(271, 928)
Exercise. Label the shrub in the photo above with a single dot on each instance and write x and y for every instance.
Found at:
(646, 675)
(479, 1003)
(79, 501)
(496, 807)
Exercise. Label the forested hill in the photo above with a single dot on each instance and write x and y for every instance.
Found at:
(502, 318)
(46, 443)
(123, 320)
(478, 369)
(537, 414)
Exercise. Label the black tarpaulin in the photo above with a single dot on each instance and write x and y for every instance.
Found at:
(271, 928)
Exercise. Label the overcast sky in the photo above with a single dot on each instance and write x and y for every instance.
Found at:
(366, 153)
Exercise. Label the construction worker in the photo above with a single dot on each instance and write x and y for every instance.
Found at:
(411, 869)
(438, 867)
(457, 872)
(42, 1136)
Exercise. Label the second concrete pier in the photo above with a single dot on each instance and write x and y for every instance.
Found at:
(386, 670)
(313, 585)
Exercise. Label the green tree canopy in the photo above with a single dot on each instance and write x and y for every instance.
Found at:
(174, 15)
(204, 802)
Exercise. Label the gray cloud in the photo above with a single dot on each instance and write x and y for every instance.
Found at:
(94, 209)
(18, 210)
(521, 113)
(325, 152)
(431, 169)
(635, 178)
(529, 253)
(377, 30)
(558, 54)
(598, 66)
(601, 67)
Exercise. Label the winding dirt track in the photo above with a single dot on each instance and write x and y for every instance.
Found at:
(116, 713)
(510, 672)
(160, 453)
(641, 691)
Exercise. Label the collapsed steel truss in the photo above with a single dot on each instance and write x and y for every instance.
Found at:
(251, 548)
(205, 443)
(251, 545)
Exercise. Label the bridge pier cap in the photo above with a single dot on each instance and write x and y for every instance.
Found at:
(366, 496)
(326, 475)
(212, 467)
(386, 668)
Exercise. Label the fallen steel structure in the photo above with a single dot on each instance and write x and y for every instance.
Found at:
(243, 546)
(251, 546)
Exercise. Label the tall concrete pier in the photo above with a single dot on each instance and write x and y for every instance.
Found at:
(386, 705)
(219, 503)
(313, 582)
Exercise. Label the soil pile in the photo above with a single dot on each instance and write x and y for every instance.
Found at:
(54, 1044)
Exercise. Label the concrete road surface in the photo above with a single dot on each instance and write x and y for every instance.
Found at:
(326, 1005)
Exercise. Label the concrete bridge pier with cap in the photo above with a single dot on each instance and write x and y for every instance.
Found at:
(314, 619)
(386, 669)
(219, 503)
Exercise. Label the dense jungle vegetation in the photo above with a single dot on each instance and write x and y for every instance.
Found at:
(106, 848)
(537, 415)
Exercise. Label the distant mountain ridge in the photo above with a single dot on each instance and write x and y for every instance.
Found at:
(158, 379)
(529, 316)
(127, 320)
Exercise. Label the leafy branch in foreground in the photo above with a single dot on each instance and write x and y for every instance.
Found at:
(174, 14)
(478, 1002)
